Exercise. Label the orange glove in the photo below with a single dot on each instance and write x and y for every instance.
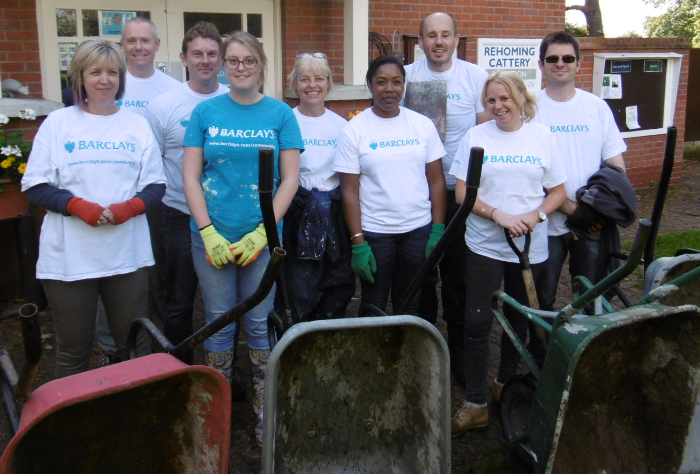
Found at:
(88, 212)
(123, 211)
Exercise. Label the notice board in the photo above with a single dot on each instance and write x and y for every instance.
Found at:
(640, 83)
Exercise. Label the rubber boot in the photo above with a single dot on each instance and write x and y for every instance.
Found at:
(455, 344)
(258, 361)
(221, 361)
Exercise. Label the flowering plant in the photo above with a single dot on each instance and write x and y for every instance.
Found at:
(13, 150)
(354, 114)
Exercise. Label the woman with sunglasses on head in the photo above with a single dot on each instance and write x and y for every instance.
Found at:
(220, 180)
(96, 169)
(393, 186)
(317, 267)
(521, 160)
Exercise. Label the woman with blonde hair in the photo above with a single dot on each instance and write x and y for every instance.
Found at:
(220, 181)
(317, 267)
(96, 169)
(521, 161)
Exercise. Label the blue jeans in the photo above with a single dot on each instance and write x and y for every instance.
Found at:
(484, 276)
(399, 257)
(220, 289)
(180, 278)
(584, 260)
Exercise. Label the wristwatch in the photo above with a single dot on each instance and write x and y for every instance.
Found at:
(542, 215)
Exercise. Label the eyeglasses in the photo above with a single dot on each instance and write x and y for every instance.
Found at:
(568, 59)
(248, 63)
(315, 55)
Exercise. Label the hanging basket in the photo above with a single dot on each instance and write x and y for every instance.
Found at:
(13, 202)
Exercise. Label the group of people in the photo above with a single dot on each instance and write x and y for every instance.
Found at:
(368, 198)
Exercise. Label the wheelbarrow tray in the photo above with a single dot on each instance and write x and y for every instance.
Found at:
(619, 393)
(666, 269)
(359, 395)
(153, 414)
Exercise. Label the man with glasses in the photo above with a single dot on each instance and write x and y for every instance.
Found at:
(587, 136)
(465, 82)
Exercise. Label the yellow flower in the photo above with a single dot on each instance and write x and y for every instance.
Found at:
(8, 162)
(21, 168)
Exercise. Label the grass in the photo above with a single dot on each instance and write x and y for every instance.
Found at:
(667, 245)
(691, 153)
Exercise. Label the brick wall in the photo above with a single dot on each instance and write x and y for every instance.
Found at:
(644, 155)
(19, 44)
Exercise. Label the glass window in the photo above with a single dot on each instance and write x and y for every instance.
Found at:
(91, 23)
(255, 24)
(225, 22)
(65, 23)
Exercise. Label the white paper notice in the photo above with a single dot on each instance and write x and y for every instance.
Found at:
(612, 86)
(632, 114)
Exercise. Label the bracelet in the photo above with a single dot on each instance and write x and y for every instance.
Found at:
(359, 234)
(491, 216)
(202, 228)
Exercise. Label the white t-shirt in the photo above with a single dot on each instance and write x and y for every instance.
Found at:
(103, 159)
(586, 134)
(139, 92)
(168, 115)
(390, 156)
(320, 136)
(517, 166)
(465, 83)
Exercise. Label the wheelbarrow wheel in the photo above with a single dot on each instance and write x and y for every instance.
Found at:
(516, 401)
(275, 328)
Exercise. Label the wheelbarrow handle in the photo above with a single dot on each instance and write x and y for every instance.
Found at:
(473, 179)
(524, 254)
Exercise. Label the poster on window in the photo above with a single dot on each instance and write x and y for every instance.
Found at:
(111, 23)
(65, 55)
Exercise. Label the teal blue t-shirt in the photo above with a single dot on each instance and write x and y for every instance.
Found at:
(231, 135)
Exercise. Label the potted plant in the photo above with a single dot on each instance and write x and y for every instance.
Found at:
(14, 152)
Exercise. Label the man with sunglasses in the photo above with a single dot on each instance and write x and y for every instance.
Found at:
(587, 136)
(465, 82)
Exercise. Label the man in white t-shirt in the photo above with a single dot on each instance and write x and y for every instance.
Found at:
(587, 136)
(465, 83)
(168, 115)
(143, 83)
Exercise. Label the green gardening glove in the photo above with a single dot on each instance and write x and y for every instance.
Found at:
(249, 247)
(363, 262)
(216, 246)
(436, 231)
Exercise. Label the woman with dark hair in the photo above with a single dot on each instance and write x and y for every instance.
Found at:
(521, 161)
(393, 188)
(220, 181)
(317, 267)
(96, 169)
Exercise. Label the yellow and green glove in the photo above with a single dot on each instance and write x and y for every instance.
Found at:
(249, 247)
(436, 231)
(218, 253)
(363, 262)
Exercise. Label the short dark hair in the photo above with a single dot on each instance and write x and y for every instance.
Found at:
(205, 30)
(559, 37)
(381, 61)
(454, 23)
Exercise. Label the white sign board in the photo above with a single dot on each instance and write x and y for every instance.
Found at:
(517, 55)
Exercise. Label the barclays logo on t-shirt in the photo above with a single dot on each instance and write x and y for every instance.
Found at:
(395, 143)
(319, 142)
(184, 123)
(513, 159)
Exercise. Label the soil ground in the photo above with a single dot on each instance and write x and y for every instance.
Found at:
(474, 451)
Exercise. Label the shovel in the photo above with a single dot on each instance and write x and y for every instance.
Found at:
(429, 98)
(538, 346)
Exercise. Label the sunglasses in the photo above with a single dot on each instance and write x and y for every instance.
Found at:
(315, 55)
(568, 59)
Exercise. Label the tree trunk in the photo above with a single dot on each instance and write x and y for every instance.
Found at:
(594, 17)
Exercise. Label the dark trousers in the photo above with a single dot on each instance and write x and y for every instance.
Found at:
(156, 273)
(180, 278)
(484, 277)
(399, 257)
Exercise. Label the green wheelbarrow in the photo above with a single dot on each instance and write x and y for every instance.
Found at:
(618, 391)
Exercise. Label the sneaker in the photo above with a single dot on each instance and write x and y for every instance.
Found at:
(470, 417)
(107, 359)
(496, 389)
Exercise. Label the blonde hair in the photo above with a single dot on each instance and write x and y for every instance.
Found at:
(315, 62)
(517, 90)
(255, 47)
(89, 52)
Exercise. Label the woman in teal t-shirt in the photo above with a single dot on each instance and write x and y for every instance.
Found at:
(220, 180)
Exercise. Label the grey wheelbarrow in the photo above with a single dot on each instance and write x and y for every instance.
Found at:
(618, 391)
